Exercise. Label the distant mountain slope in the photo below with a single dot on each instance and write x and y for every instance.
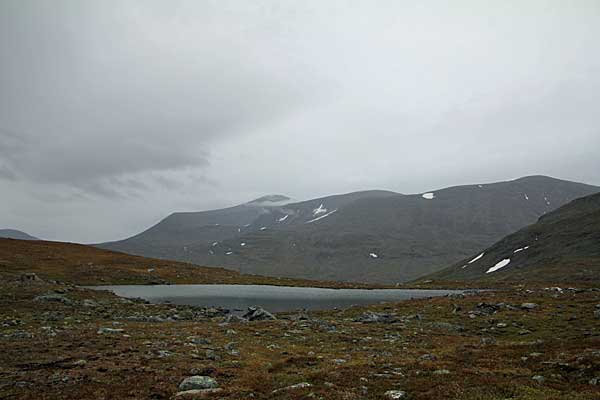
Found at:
(88, 265)
(563, 245)
(371, 236)
(15, 234)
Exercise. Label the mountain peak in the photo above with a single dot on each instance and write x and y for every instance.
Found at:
(270, 200)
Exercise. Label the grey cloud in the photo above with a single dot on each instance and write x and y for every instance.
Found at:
(116, 95)
(139, 108)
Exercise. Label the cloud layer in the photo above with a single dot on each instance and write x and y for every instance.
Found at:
(115, 113)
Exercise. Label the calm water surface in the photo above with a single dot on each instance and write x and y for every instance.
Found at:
(272, 298)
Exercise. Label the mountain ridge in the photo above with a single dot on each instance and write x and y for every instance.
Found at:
(369, 236)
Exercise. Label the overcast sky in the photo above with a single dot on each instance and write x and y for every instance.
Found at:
(114, 114)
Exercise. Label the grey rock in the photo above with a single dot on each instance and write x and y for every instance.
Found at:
(29, 277)
(258, 314)
(19, 335)
(428, 357)
(301, 385)
(199, 340)
(109, 331)
(395, 394)
(441, 372)
(53, 297)
(529, 306)
(372, 317)
(198, 382)
(211, 355)
(539, 379)
(197, 393)
(488, 341)
(89, 303)
(447, 327)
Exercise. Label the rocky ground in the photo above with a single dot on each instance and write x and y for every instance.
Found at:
(59, 341)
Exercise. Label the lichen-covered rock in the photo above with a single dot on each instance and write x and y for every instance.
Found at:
(198, 382)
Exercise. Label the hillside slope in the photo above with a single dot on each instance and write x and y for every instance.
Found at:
(15, 234)
(375, 236)
(87, 265)
(563, 246)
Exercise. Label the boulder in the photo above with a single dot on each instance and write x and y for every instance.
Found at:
(198, 382)
(372, 317)
(258, 314)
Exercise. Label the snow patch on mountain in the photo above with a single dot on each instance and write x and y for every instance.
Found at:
(476, 258)
(500, 264)
(428, 196)
(521, 249)
(321, 217)
(319, 210)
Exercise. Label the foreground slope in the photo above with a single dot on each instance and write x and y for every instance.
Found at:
(64, 342)
(563, 246)
(87, 265)
(372, 236)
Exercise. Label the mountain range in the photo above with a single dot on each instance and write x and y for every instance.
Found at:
(369, 236)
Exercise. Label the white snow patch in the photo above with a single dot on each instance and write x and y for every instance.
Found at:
(215, 243)
(264, 228)
(526, 197)
(283, 218)
(500, 264)
(229, 253)
(480, 186)
(321, 217)
(428, 196)
(319, 210)
(242, 244)
(465, 266)
(247, 225)
(476, 258)
(547, 201)
(373, 255)
(521, 249)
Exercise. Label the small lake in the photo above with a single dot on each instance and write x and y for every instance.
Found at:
(271, 298)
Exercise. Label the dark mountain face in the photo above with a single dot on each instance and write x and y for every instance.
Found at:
(15, 234)
(564, 245)
(373, 236)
